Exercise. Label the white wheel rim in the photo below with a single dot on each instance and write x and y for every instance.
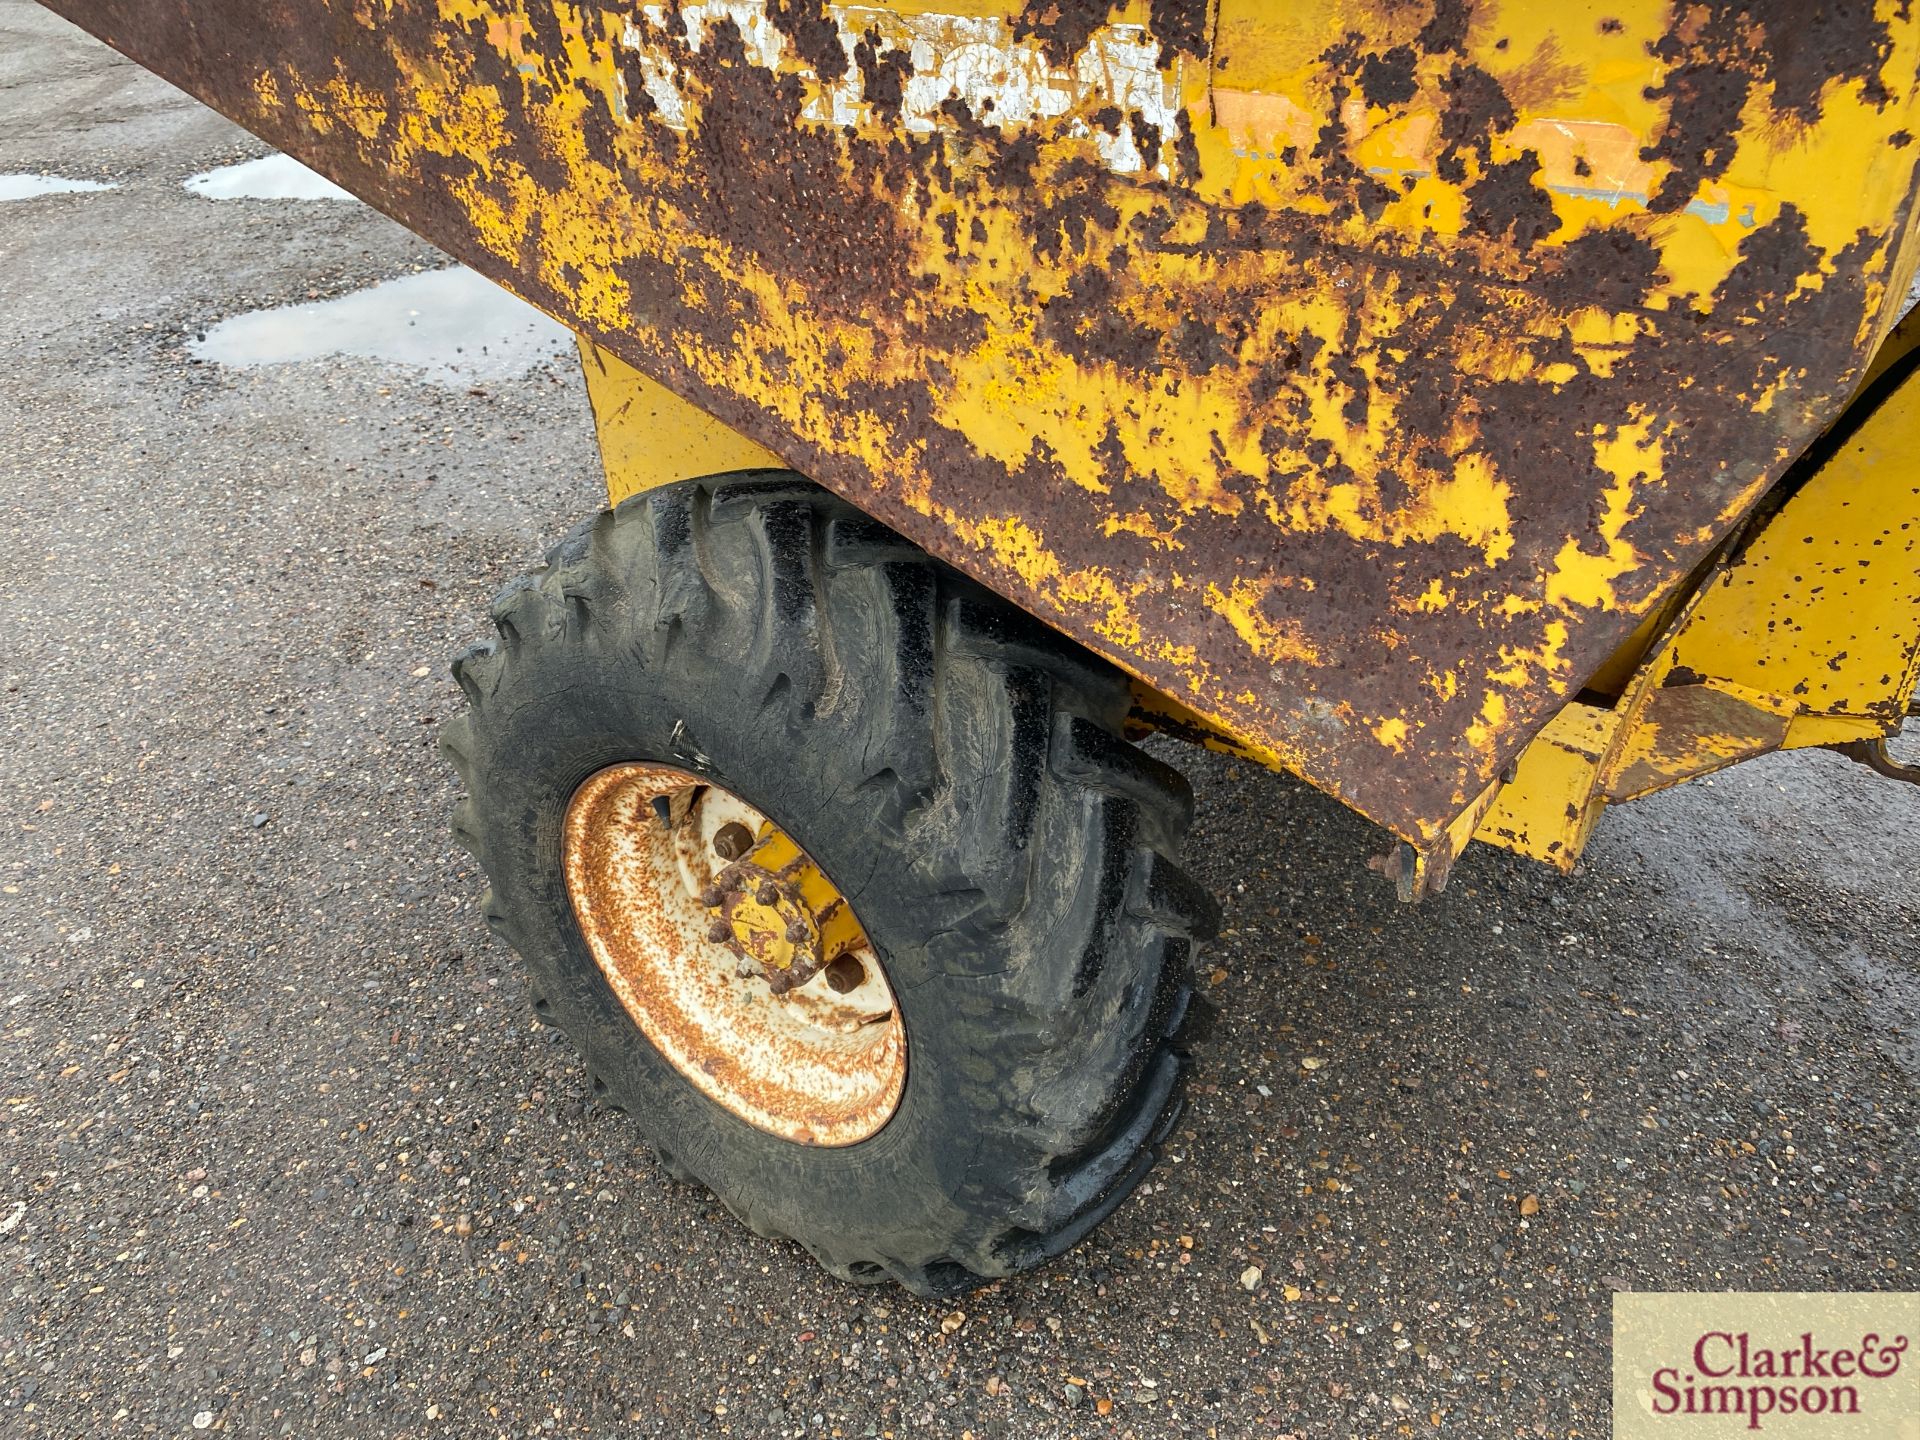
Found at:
(818, 1065)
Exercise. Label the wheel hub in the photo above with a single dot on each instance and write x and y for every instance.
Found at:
(734, 953)
(777, 911)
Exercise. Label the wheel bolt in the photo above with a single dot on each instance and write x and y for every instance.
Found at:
(769, 895)
(846, 974)
(732, 840)
(711, 897)
(719, 932)
(797, 931)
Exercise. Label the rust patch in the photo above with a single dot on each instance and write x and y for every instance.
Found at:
(814, 35)
(1181, 26)
(1062, 27)
(1507, 205)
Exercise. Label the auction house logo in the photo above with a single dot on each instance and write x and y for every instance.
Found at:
(1785, 1364)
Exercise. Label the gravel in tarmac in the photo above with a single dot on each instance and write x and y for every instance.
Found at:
(285, 1154)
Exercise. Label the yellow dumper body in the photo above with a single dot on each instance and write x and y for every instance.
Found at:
(1487, 411)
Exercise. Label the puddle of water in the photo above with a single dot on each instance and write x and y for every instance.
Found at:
(452, 325)
(25, 187)
(273, 177)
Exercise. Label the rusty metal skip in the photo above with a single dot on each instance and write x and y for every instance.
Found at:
(1366, 379)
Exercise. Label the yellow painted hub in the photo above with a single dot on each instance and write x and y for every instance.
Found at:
(746, 970)
(778, 909)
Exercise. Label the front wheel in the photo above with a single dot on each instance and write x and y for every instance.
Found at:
(839, 873)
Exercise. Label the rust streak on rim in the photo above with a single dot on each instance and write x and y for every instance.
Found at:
(824, 1064)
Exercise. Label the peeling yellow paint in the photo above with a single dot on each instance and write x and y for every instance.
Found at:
(1243, 604)
(1584, 577)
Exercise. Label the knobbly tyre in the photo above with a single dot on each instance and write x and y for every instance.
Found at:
(1489, 412)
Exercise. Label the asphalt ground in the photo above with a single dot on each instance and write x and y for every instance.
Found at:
(284, 1152)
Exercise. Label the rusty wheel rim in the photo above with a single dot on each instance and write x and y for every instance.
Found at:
(825, 1063)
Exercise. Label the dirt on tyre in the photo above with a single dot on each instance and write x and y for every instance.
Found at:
(986, 1068)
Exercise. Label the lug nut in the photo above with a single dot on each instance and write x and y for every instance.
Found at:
(797, 931)
(711, 897)
(732, 840)
(846, 974)
(769, 894)
(719, 932)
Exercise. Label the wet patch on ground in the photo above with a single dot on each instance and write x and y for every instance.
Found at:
(452, 326)
(32, 187)
(271, 177)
